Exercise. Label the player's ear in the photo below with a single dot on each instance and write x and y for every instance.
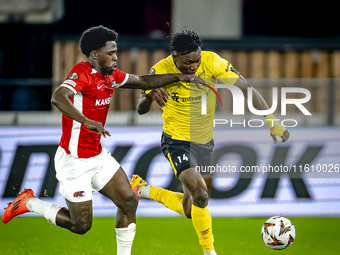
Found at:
(174, 54)
(94, 54)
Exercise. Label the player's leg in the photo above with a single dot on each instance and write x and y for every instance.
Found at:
(198, 186)
(112, 182)
(192, 204)
(76, 189)
(77, 219)
(74, 175)
(199, 155)
(118, 190)
(170, 199)
(197, 189)
(187, 201)
(178, 154)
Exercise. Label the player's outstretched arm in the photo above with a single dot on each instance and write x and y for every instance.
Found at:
(160, 96)
(61, 100)
(156, 81)
(259, 103)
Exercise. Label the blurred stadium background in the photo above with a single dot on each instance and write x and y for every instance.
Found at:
(289, 44)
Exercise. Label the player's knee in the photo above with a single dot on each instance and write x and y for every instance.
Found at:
(129, 204)
(82, 229)
(133, 203)
(200, 197)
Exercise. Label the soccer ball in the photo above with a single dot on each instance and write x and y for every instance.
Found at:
(278, 233)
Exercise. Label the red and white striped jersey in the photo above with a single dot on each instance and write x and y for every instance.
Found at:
(92, 95)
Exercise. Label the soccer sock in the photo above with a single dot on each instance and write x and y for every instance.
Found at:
(213, 252)
(201, 220)
(49, 211)
(143, 191)
(172, 200)
(124, 237)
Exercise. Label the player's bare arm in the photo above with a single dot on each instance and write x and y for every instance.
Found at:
(160, 96)
(61, 100)
(260, 104)
(156, 81)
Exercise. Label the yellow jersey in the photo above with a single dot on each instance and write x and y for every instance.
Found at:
(183, 116)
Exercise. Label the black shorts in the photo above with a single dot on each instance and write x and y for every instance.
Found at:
(183, 154)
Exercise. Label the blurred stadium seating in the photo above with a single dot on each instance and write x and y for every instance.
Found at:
(313, 64)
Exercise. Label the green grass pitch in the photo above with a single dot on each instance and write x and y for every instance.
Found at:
(157, 236)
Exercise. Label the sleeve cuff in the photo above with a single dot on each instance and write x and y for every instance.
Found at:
(69, 87)
(125, 80)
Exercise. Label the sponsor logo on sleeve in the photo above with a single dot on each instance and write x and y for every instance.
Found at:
(152, 71)
(73, 76)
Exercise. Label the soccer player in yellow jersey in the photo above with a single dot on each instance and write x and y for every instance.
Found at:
(187, 139)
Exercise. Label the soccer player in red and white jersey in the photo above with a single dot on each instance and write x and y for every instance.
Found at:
(81, 163)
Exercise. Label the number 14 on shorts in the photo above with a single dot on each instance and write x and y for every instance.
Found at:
(185, 158)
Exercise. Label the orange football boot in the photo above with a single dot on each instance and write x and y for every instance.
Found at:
(136, 182)
(18, 206)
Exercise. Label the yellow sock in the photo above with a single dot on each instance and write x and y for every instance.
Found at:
(201, 219)
(172, 200)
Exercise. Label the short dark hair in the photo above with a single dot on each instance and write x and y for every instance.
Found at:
(95, 38)
(185, 42)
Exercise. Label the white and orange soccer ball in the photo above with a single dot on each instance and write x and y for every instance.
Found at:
(278, 233)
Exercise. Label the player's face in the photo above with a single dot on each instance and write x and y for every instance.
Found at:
(107, 57)
(188, 63)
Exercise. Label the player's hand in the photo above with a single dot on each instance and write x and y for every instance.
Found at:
(276, 128)
(96, 127)
(160, 96)
(185, 77)
(280, 131)
(191, 78)
(198, 80)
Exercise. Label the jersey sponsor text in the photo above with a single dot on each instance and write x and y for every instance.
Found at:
(104, 101)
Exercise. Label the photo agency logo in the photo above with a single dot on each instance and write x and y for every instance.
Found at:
(238, 105)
